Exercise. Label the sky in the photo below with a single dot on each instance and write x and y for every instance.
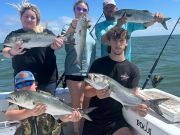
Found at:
(56, 13)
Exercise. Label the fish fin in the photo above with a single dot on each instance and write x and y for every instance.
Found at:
(87, 110)
(86, 117)
(154, 104)
(164, 22)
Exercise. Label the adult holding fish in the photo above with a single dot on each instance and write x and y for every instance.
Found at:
(35, 121)
(108, 117)
(41, 61)
(109, 8)
(79, 55)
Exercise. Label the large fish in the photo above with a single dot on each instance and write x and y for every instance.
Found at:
(80, 39)
(32, 39)
(118, 92)
(138, 16)
(29, 99)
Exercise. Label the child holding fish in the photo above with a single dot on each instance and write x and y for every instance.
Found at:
(35, 121)
(41, 61)
(110, 11)
(108, 117)
(79, 56)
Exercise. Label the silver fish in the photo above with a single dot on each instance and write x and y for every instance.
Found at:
(32, 39)
(118, 92)
(138, 16)
(80, 39)
(29, 99)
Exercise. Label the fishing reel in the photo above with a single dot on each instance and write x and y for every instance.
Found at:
(156, 79)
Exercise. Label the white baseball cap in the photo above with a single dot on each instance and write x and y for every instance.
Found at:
(107, 2)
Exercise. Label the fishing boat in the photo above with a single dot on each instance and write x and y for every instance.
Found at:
(151, 124)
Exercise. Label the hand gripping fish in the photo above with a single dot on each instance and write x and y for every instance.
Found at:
(118, 92)
(29, 99)
(138, 16)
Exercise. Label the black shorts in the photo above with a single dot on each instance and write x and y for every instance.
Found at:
(108, 128)
(74, 78)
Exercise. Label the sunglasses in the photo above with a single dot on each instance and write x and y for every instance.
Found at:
(24, 84)
(81, 9)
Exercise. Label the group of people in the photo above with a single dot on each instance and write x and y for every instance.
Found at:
(36, 68)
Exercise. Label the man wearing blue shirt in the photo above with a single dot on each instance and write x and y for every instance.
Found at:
(109, 7)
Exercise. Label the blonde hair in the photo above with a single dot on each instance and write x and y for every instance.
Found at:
(25, 5)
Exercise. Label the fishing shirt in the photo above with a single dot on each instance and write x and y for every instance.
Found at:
(41, 61)
(103, 27)
(88, 56)
(126, 73)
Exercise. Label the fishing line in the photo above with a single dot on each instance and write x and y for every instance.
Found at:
(95, 25)
(157, 60)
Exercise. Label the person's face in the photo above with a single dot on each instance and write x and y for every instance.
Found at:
(29, 19)
(118, 46)
(26, 85)
(109, 10)
(81, 10)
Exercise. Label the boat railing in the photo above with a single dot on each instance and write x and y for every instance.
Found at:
(6, 124)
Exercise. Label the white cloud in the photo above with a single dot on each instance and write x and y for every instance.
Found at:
(57, 25)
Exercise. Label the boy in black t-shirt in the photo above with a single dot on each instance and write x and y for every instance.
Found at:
(107, 119)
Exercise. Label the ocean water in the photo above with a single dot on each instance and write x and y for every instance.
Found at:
(145, 51)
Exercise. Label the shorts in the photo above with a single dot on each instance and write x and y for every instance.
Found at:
(74, 78)
(108, 128)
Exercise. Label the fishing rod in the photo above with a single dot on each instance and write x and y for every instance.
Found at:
(96, 24)
(155, 63)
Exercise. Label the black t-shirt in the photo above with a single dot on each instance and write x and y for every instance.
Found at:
(41, 61)
(126, 73)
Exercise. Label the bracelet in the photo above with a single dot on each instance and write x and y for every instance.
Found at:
(72, 26)
(9, 52)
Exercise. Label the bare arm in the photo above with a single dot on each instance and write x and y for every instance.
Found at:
(89, 91)
(141, 109)
(25, 113)
(17, 49)
(6, 52)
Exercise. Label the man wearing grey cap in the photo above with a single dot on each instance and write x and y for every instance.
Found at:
(109, 7)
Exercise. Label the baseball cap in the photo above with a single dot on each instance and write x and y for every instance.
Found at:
(106, 2)
(24, 76)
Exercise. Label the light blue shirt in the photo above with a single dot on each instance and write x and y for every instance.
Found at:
(102, 27)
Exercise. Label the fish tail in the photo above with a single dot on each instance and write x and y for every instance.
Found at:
(154, 104)
(86, 117)
(164, 22)
(84, 113)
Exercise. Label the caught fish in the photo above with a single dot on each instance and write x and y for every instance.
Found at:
(138, 16)
(118, 92)
(31, 39)
(29, 99)
(80, 39)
